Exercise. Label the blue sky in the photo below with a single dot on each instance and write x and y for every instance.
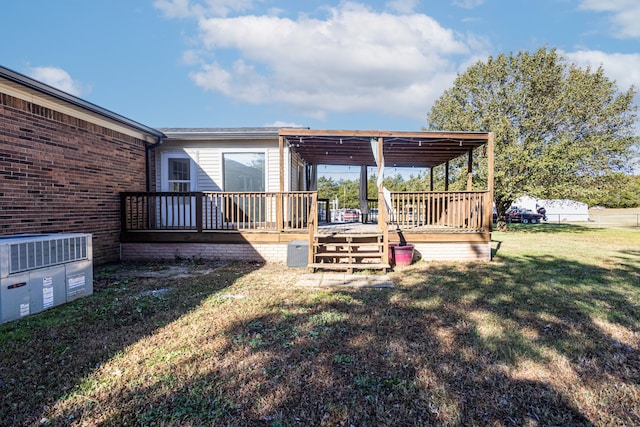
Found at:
(317, 63)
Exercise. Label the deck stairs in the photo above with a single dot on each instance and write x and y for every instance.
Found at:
(348, 252)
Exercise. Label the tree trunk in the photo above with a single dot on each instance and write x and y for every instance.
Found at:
(501, 210)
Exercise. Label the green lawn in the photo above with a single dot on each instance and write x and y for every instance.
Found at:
(548, 333)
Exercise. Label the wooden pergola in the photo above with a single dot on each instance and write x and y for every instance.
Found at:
(399, 149)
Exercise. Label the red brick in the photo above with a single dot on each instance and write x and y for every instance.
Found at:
(62, 174)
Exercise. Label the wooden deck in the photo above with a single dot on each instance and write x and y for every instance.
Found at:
(279, 217)
(346, 228)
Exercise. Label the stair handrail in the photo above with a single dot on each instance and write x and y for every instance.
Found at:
(383, 225)
(312, 225)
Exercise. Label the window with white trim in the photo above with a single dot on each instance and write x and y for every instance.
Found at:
(244, 172)
(178, 174)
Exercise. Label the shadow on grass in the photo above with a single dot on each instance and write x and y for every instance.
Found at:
(550, 228)
(44, 356)
(495, 247)
(484, 344)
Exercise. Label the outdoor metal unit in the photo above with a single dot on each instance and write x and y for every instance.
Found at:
(40, 271)
(298, 253)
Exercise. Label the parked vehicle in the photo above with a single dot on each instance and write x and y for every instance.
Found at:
(542, 211)
(373, 215)
(350, 215)
(524, 216)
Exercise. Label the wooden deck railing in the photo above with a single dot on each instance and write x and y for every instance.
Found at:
(431, 211)
(216, 211)
(462, 211)
(324, 213)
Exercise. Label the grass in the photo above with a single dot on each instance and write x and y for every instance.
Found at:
(628, 217)
(546, 334)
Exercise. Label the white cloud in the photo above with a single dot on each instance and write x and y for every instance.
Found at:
(206, 8)
(625, 15)
(191, 58)
(58, 78)
(467, 4)
(174, 8)
(354, 59)
(283, 124)
(623, 68)
(402, 6)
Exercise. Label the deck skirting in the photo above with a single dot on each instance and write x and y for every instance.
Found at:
(277, 252)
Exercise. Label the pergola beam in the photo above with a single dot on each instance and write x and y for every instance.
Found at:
(401, 149)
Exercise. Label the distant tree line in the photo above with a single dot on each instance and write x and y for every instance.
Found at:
(611, 191)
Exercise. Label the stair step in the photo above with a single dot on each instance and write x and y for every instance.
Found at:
(348, 249)
(351, 255)
(351, 266)
(348, 244)
(348, 236)
(348, 252)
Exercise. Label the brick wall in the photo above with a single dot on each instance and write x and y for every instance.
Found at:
(461, 252)
(270, 252)
(277, 252)
(59, 173)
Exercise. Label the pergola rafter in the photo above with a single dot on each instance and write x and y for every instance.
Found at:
(400, 149)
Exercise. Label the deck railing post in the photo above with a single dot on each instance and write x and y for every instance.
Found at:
(199, 216)
(312, 227)
(487, 212)
(279, 212)
(123, 212)
(150, 212)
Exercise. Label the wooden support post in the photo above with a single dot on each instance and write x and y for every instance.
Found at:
(470, 170)
(281, 147)
(279, 201)
(488, 206)
(382, 209)
(446, 176)
(431, 178)
(364, 205)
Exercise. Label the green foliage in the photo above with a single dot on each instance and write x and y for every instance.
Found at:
(327, 188)
(347, 191)
(613, 191)
(556, 125)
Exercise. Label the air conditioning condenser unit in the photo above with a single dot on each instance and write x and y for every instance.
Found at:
(40, 271)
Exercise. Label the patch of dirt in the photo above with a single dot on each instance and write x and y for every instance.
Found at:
(157, 270)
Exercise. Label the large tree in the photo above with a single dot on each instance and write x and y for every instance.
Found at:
(555, 123)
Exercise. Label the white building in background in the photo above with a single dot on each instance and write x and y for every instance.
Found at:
(558, 210)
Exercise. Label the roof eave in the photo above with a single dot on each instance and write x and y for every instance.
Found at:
(74, 100)
(221, 134)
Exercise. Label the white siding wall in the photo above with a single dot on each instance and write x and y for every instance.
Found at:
(209, 170)
(273, 170)
(297, 173)
(207, 158)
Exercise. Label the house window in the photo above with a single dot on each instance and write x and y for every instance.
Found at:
(244, 172)
(179, 174)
